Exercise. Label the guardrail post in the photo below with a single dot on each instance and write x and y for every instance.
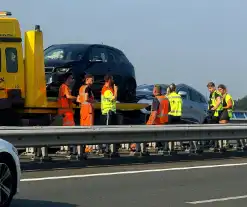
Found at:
(141, 150)
(222, 147)
(44, 155)
(241, 144)
(171, 147)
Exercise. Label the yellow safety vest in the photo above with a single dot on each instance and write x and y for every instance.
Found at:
(107, 102)
(176, 103)
(227, 98)
(213, 103)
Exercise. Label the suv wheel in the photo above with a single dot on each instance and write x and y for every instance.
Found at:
(7, 183)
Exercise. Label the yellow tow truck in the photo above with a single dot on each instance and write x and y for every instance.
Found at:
(23, 99)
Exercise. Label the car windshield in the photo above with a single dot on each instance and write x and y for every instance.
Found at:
(145, 87)
(64, 53)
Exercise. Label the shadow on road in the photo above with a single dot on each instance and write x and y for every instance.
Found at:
(125, 161)
(37, 203)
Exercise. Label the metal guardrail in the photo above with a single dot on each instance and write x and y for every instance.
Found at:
(239, 116)
(57, 136)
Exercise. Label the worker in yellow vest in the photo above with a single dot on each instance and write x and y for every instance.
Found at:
(214, 104)
(227, 105)
(175, 111)
(108, 105)
(214, 111)
(176, 104)
(227, 109)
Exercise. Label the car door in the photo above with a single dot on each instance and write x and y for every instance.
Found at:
(98, 67)
(186, 112)
(197, 107)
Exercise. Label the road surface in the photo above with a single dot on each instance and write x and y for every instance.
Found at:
(197, 183)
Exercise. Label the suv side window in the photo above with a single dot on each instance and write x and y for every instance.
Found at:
(11, 60)
(185, 90)
(122, 58)
(195, 96)
(112, 56)
(98, 52)
(202, 99)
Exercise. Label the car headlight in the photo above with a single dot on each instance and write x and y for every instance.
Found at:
(15, 150)
(63, 70)
(49, 80)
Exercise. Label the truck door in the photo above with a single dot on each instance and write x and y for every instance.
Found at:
(12, 71)
(2, 75)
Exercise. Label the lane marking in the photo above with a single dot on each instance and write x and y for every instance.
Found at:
(131, 172)
(218, 200)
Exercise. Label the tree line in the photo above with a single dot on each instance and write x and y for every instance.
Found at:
(241, 104)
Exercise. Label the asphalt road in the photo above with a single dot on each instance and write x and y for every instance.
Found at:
(172, 185)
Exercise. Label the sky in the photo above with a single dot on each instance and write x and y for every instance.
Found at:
(167, 41)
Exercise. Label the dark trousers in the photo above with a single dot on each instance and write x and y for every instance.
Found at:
(174, 119)
(109, 119)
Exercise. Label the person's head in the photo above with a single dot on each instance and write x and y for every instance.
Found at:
(171, 88)
(89, 79)
(108, 80)
(168, 91)
(156, 90)
(222, 89)
(211, 87)
(68, 79)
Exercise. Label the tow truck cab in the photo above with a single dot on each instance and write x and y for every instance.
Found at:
(22, 82)
(12, 87)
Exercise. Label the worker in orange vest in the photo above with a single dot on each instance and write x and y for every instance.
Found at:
(86, 99)
(65, 103)
(159, 110)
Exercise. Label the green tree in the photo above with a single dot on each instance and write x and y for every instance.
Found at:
(241, 104)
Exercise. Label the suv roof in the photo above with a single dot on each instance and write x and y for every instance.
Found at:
(85, 46)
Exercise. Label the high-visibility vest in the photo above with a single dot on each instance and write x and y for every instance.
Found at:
(86, 107)
(64, 105)
(213, 103)
(226, 99)
(107, 101)
(162, 113)
(176, 103)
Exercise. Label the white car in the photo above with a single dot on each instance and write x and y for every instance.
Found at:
(10, 173)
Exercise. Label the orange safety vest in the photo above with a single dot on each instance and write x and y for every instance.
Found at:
(162, 112)
(82, 95)
(86, 111)
(64, 105)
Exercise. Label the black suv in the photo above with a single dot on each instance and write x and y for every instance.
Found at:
(95, 59)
